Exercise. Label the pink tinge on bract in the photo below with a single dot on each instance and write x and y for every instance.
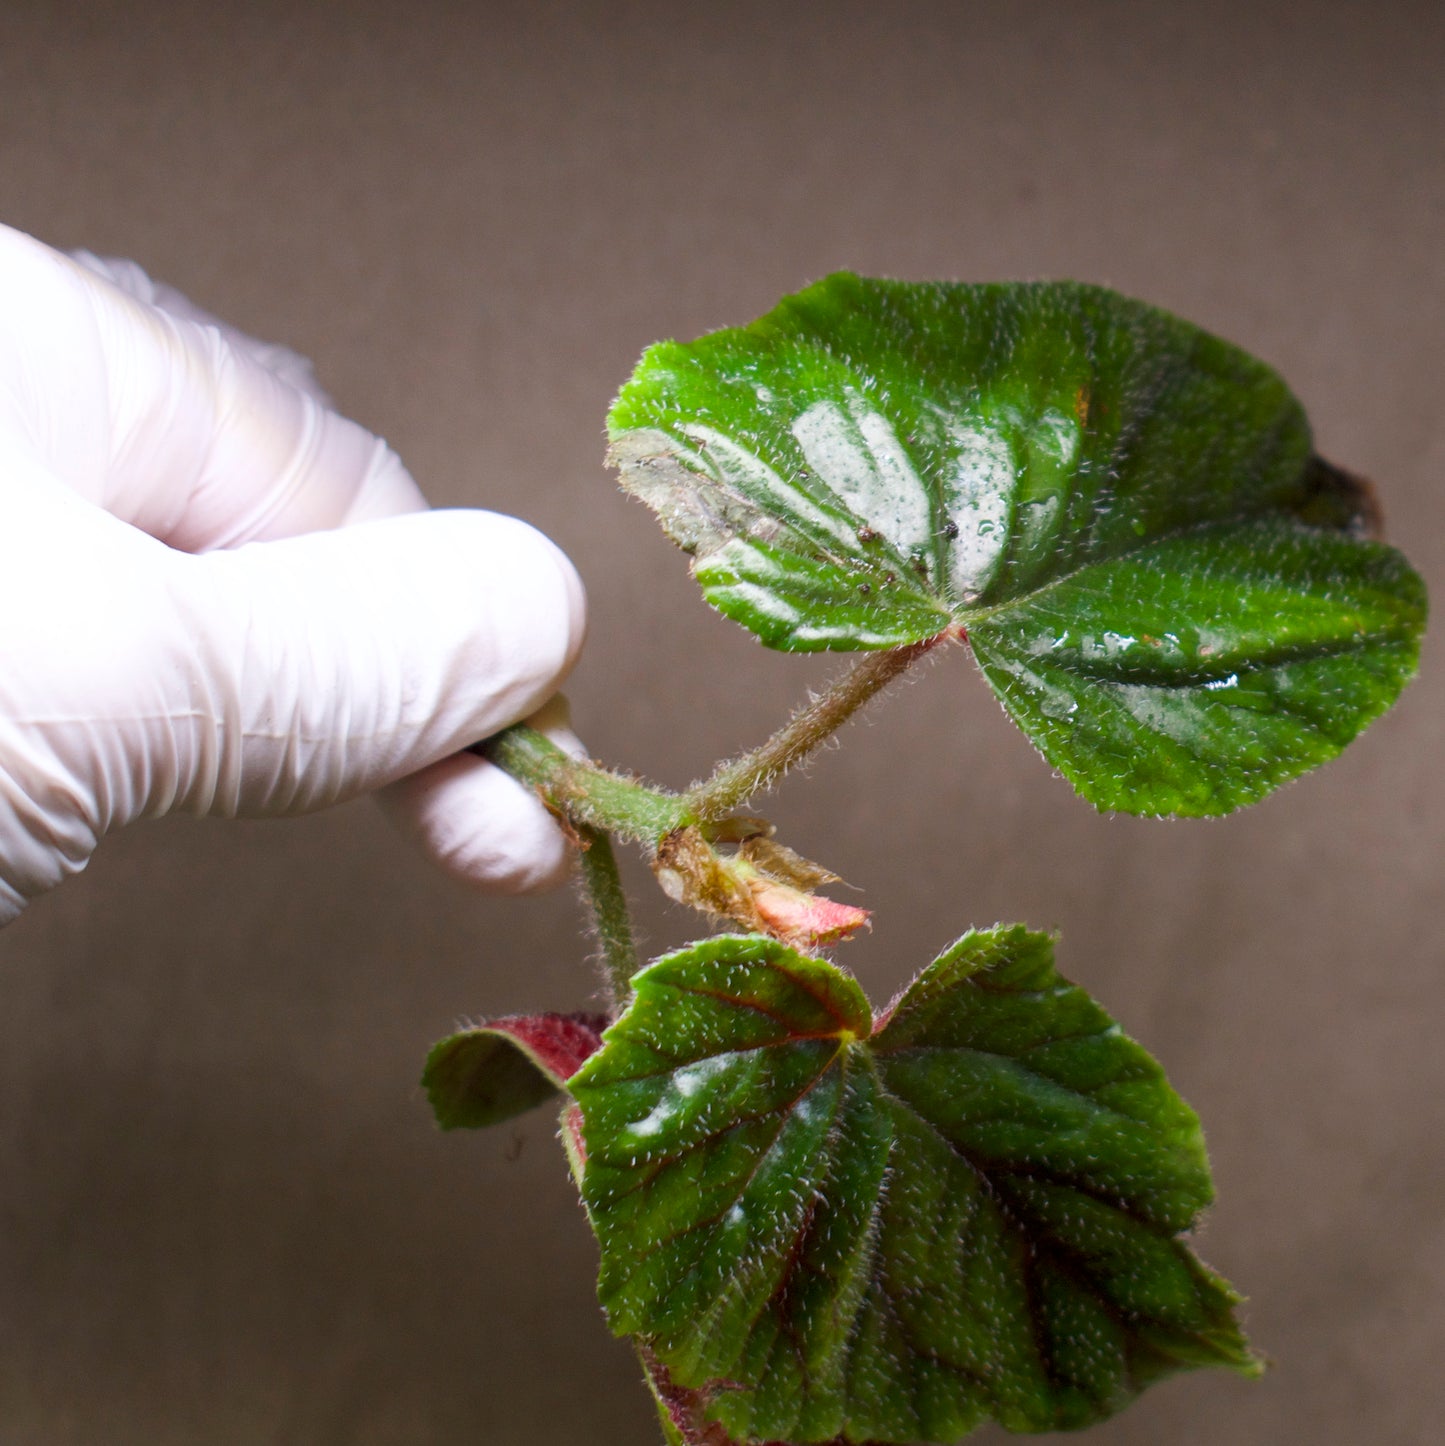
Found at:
(803, 918)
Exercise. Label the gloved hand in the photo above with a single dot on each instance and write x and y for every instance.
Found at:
(220, 597)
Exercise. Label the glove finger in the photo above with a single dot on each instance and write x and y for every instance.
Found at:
(167, 421)
(275, 679)
(481, 825)
(336, 663)
(136, 282)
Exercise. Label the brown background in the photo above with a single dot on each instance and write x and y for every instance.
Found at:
(225, 1216)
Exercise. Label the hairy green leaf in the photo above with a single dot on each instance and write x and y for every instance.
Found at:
(1200, 672)
(831, 1233)
(1123, 511)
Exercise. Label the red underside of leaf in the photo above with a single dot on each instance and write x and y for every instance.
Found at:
(685, 1408)
(561, 1043)
(572, 1123)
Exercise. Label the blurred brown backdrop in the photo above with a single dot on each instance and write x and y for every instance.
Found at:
(225, 1216)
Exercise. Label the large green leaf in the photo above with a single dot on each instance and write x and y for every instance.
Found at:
(1123, 511)
(836, 1234)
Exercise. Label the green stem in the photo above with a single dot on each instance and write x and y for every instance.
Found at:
(812, 725)
(610, 918)
(599, 803)
(588, 794)
(585, 793)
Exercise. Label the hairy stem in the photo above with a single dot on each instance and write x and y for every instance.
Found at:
(734, 783)
(585, 793)
(610, 917)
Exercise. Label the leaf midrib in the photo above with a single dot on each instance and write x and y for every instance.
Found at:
(1281, 514)
(862, 1272)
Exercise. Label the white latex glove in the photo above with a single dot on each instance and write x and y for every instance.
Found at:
(220, 597)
